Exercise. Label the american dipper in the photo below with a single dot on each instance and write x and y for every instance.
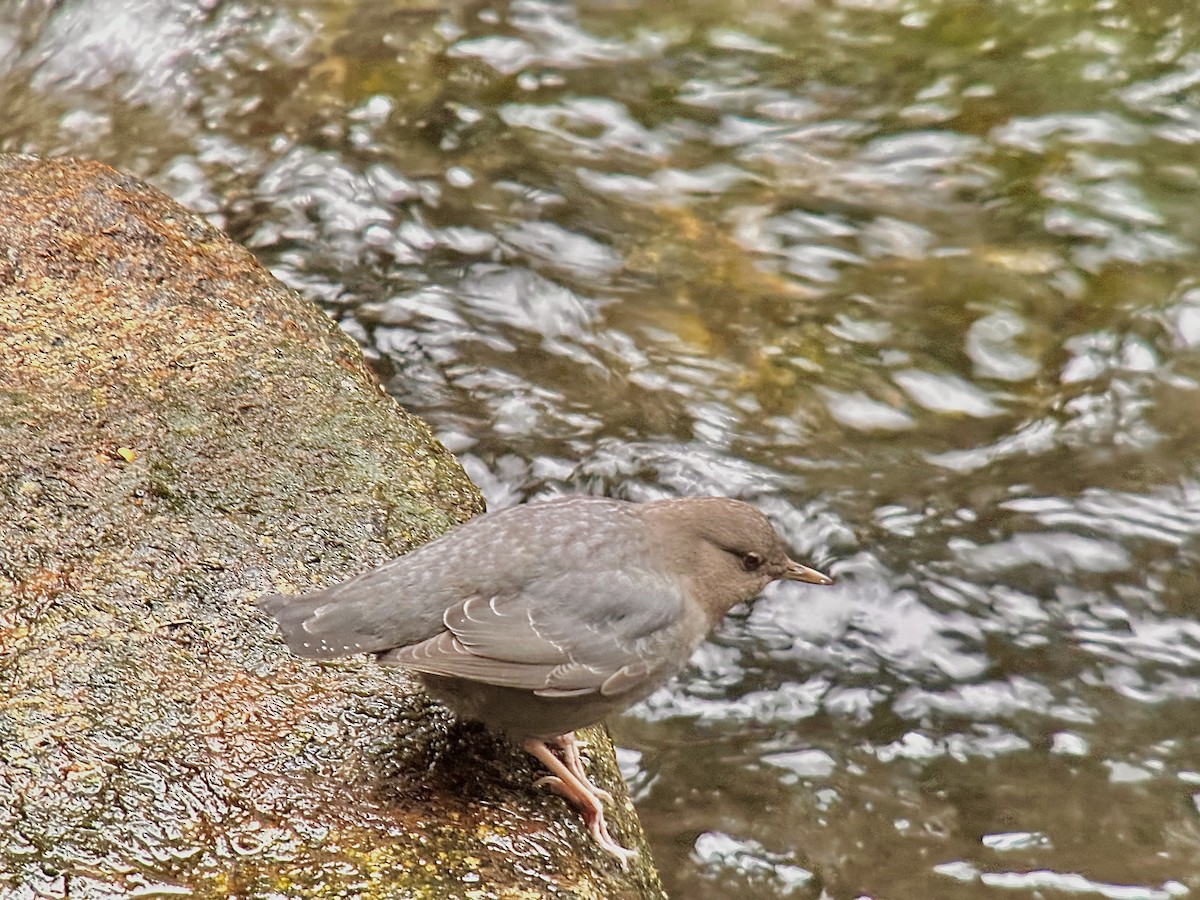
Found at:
(537, 620)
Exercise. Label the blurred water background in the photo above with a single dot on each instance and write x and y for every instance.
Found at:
(917, 277)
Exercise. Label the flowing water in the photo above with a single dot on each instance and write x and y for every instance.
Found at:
(918, 278)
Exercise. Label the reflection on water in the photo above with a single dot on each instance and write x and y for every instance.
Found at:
(919, 279)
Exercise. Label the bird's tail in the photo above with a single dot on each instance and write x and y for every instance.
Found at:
(292, 613)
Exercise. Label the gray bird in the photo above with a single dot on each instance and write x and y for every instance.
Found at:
(537, 620)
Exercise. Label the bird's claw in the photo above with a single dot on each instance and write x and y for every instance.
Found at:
(599, 829)
(556, 784)
(571, 782)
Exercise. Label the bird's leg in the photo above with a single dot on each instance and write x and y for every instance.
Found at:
(580, 793)
(570, 748)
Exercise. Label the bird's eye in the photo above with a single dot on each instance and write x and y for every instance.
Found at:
(751, 562)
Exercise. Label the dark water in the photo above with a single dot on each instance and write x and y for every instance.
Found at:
(918, 278)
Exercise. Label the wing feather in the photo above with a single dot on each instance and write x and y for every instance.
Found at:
(547, 648)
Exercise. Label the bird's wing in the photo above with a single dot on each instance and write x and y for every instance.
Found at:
(565, 646)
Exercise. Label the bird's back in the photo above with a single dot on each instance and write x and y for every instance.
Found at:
(537, 550)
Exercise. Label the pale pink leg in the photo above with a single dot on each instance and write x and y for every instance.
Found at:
(570, 748)
(580, 793)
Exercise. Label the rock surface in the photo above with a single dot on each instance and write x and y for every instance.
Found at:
(178, 433)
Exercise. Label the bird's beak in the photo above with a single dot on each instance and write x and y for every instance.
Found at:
(797, 572)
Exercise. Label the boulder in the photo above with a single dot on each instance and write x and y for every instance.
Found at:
(180, 433)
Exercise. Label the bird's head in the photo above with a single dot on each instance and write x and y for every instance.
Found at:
(728, 549)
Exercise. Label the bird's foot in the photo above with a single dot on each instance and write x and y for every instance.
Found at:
(593, 816)
(554, 783)
(599, 829)
(569, 745)
(581, 794)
